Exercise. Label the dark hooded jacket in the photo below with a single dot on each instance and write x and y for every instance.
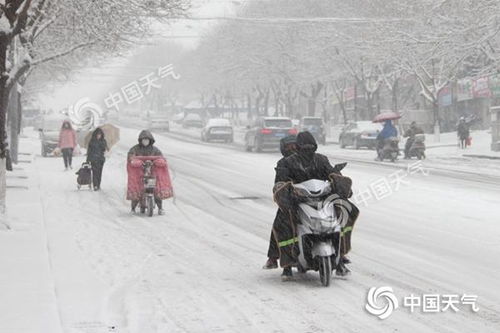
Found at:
(463, 130)
(291, 139)
(305, 164)
(283, 231)
(97, 147)
(149, 150)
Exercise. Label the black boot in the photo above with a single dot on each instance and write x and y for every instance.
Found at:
(342, 270)
(345, 260)
(134, 205)
(271, 263)
(287, 274)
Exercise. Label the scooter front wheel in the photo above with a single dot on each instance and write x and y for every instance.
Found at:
(150, 203)
(325, 270)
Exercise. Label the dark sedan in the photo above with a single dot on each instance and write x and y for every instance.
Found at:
(266, 133)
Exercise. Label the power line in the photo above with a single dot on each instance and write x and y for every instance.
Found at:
(291, 19)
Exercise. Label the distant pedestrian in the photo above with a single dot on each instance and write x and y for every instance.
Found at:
(67, 143)
(95, 155)
(463, 133)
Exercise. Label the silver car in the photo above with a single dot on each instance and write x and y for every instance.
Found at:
(360, 134)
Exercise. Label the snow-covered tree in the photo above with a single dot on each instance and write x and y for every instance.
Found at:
(36, 32)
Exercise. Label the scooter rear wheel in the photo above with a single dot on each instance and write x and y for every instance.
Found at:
(325, 270)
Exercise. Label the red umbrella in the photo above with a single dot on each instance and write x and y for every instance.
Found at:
(390, 115)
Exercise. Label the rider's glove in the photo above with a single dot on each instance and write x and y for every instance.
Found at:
(341, 185)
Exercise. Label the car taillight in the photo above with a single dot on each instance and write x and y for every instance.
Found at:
(292, 131)
(265, 131)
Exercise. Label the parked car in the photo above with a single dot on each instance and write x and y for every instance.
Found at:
(178, 118)
(192, 120)
(315, 126)
(266, 133)
(160, 123)
(217, 129)
(48, 129)
(360, 134)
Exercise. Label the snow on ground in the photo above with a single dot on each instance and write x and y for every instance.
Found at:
(198, 268)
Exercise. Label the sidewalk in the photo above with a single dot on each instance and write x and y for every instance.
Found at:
(28, 299)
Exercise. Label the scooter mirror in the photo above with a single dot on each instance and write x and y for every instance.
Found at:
(340, 166)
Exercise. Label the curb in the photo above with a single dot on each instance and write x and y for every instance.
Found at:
(489, 157)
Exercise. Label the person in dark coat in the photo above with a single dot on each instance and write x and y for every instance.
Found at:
(280, 225)
(463, 132)
(306, 164)
(145, 147)
(95, 155)
(410, 134)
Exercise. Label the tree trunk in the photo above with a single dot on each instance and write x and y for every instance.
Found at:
(369, 104)
(249, 107)
(266, 103)
(311, 99)
(4, 98)
(437, 128)
(14, 120)
(395, 88)
(355, 102)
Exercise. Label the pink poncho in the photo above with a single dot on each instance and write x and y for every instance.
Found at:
(135, 186)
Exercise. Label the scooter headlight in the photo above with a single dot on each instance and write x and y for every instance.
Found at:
(150, 182)
(322, 225)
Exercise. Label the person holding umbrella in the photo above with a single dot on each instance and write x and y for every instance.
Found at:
(95, 155)
(388, 131)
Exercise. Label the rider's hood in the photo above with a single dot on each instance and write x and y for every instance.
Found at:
(291, 139)
(306, 146)
(306, 141)
(145, 134)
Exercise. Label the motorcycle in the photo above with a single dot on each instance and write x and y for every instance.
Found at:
(417, 148)
(389, 149)
(320, 230)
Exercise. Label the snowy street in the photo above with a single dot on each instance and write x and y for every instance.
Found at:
(236, 166)
(198, 268)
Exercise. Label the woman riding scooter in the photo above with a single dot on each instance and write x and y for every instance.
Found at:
(389, 131)
(146, 148)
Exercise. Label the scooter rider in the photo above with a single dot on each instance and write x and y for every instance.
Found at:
(387, 132)
(282, 229)
(410, 134)
(306, 164)
(145, 147)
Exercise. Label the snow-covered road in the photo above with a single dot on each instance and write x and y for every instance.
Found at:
(198, 268)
